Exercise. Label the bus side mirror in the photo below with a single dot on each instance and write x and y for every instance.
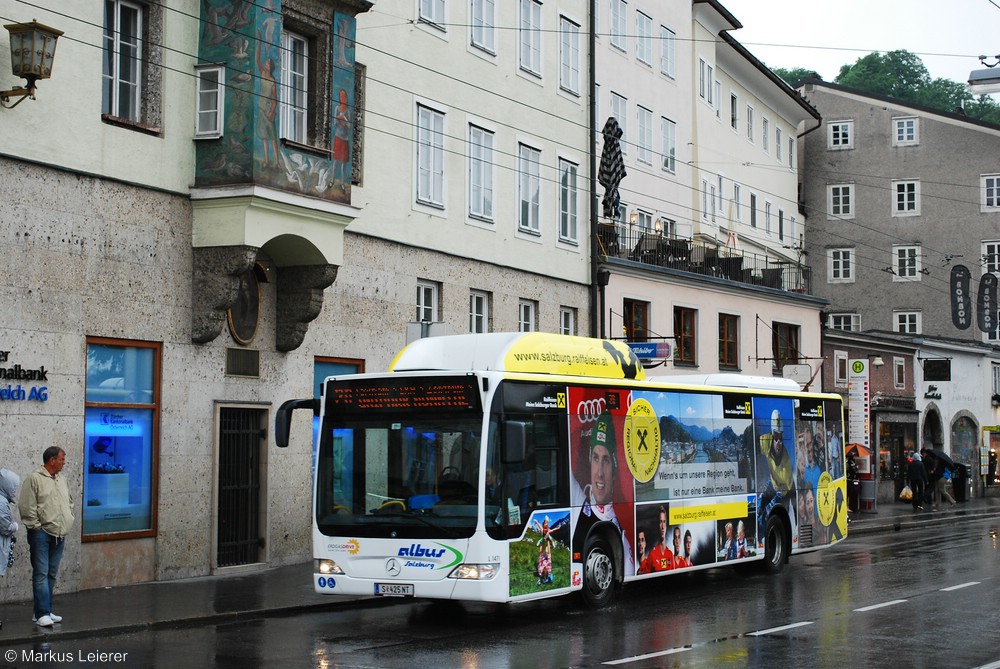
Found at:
(514, 438)
(283, 419)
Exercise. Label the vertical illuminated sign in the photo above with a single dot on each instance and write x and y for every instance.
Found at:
(858, 402)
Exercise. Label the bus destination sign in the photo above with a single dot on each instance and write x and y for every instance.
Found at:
(404, 394)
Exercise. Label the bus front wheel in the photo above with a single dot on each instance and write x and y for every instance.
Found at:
(598, 573)
(775, 545)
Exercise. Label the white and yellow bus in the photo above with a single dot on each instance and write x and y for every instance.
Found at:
(515, 466)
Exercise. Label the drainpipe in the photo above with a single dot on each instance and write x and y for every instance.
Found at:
(596, 289)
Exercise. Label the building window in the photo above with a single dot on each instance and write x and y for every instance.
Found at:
(484, 25)
(644, 220)
(481, 173)
(840, 266)
(619, 109)
(907, 322)
(738, 202)
(990, 190)
(668, 133)
(529, 190)
(767, 217)
(991, 257)
(765, 137)
(644, 135)
(209, 100)
(619, 10)
(845, 322)
(907, 263)
(531, 36)
(791, 152)
(781, 224)
(432, 11)
(840, 201)
(428, 297)
(635, 316)
(569, 56)
(121, 438)
(750, 122)
(840, 135)
(527, 316)
(734, 108)
(899, 377)
(643, 38)
(777, 143)
(907, 198)
(729, 333)
(784, 344)
(567, 321)
(123, 60)
(840, 369)
(479, 312)
(706, 82)
(430, 156)
(905, 131)
(753, 210)
(668, 51)
(568, 201)
(685, 351)
(294, 89)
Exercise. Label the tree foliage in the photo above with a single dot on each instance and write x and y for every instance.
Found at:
(795, 75)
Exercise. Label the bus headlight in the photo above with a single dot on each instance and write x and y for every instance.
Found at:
(476, 572)
(328, 567)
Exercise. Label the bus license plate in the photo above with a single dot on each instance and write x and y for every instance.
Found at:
(394, 589)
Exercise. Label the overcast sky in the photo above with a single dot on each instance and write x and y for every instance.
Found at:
(948, 36)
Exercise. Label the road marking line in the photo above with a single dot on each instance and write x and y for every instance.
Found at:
(638, 658)
(879, 606)
(772, 630)
(959, 586)
(991, 665)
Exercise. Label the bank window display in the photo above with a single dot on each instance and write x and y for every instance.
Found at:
(120, 439)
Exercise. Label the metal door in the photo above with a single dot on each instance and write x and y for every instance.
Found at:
(242, 437)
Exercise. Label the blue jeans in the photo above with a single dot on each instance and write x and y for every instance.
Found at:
(46, 554)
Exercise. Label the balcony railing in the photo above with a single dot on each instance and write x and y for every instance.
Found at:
(653, 248)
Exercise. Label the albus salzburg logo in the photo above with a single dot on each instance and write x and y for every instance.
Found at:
(418, 552)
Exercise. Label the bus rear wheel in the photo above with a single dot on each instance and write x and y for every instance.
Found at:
(775, 545)
(598, 573)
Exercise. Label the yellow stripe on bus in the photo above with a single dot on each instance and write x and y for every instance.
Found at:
(693, 514)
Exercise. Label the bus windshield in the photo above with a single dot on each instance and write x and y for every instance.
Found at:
(398, 468)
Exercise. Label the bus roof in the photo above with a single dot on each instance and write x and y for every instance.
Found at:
(526, 352)
(725, 380)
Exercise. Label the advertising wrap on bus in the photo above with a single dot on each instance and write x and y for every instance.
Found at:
(500, 485)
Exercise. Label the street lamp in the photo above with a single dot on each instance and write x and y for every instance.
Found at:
(983, 82)
(32, 50)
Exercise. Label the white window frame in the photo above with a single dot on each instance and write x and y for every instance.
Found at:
(619, 109)
(644, 135)
(569, 201)
(668, 138)
(840, 135)
(840, 362)
(483, 31)
(899, 373)
(529, 166)
(845, 322)
(840, 201)
(706, 82)
(644, 220)
(479, 311)
(750, 122)
(294, 87)
(906, 263)
(209, 101)
(668, 52)
(791, 153)
(768, 214)
(430, 173)
(907, 322)
(119, 50)
(644, 38)
(734, 111)
(619, 23)
(567, 321)
(527, 316)
(753, 209)
(428, 301)
(569, 56)
(989, 190)
(433, 12)
(777, 143)
(991, 256)
(905, 197)
(840, 265)
(765, 137)
(905, 131)
(530, 37)
(482, 173)
(738, 201)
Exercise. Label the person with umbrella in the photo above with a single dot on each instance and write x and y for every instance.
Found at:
(939, 466)
(918, 480)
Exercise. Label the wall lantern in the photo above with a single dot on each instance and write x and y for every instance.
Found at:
(32, 49)
(876, 360)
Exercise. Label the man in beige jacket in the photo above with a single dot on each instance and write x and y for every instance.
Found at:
(47, 513)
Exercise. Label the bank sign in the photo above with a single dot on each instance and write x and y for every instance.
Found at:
(15, 382)
(651, 350)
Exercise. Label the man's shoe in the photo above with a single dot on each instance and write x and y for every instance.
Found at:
(45, 621)
(55, 618)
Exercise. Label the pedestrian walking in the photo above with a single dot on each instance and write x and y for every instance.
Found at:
(47, 514)
(9, 483)
(939, 481)
(918, 480)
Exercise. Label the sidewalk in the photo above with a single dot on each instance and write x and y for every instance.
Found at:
(288, 590)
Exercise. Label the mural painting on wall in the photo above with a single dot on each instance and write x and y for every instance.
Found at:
(246, 38)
